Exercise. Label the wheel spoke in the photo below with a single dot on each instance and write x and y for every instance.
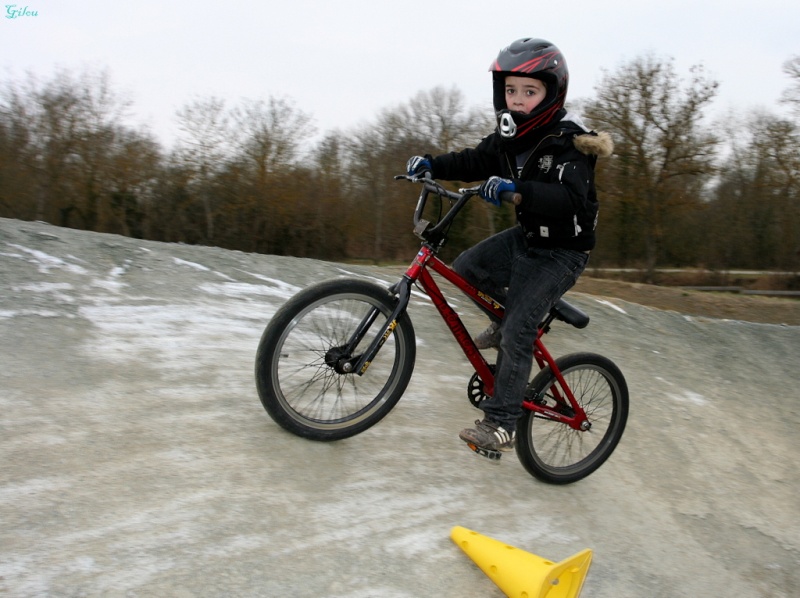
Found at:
(558, 453)
(314, 397)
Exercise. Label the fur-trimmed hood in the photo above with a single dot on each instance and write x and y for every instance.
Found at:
(591, 143)
(600, 144)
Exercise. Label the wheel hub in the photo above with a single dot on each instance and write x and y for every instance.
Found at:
(340, 360)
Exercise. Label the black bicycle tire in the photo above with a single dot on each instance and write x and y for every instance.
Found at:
(526, 445)
(271, 388)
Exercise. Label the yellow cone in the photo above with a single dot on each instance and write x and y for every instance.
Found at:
(520, 574)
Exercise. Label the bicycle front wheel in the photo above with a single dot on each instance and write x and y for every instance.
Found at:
(556, 453)
(299, 376)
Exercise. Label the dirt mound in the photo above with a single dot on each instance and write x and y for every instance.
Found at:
(728, 306)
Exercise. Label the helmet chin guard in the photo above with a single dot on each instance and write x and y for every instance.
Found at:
(506, 124)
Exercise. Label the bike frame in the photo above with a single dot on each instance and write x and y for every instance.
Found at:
(419, 272)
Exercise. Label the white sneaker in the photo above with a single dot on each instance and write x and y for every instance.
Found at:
(488, 439)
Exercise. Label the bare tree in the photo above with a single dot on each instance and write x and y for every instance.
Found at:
(203, 146)
(661, 146)
(330, 212)
(269, 134)
(268, 138)
(437, 121)
(369, 152)
(756, 205)
(63, 132)
(440, 119)
(791, 96)
(103, 112)
(132, 176)
(18, 198)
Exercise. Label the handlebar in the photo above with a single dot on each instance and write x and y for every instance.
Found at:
(436, 233)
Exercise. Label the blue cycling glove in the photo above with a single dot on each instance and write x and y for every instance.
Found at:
(418, 166)
(492, 188)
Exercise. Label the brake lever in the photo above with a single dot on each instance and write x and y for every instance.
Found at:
(425, 177)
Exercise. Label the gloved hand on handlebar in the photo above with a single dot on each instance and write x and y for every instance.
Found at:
(418, 166)
(492, 188)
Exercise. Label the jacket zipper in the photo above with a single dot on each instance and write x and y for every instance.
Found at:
(532, 154)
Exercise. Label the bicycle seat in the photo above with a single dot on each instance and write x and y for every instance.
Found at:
(570, 314)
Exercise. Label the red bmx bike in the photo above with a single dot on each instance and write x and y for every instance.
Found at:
(337, 357)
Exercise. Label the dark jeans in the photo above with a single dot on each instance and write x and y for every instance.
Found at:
(528, 282)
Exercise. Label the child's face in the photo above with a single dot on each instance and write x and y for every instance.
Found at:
(523, 94)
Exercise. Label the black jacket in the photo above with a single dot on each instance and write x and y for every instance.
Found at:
(556, 180)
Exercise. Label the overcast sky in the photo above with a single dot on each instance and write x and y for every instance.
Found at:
(342, 61)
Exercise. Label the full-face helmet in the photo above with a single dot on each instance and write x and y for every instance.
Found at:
(529, 57)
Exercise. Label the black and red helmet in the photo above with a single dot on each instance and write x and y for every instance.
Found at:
(529, 57)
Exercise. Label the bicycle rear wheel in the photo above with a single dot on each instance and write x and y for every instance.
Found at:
(555, 453)
(298, 370)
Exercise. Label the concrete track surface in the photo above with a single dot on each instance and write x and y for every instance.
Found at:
(136, 459)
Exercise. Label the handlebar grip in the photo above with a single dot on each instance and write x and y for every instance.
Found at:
(511, 197)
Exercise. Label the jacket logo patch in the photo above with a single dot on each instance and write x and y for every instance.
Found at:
(545, 163)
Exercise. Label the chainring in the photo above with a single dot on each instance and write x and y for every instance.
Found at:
(475, 391)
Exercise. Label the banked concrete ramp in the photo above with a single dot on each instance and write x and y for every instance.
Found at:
(136, 459)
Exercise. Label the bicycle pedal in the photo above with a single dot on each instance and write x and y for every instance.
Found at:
(490, 454)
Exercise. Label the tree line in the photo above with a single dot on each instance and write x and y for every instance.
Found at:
(679, 190)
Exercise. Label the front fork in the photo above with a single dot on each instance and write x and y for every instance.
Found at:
(342, 358)
(349, 363)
